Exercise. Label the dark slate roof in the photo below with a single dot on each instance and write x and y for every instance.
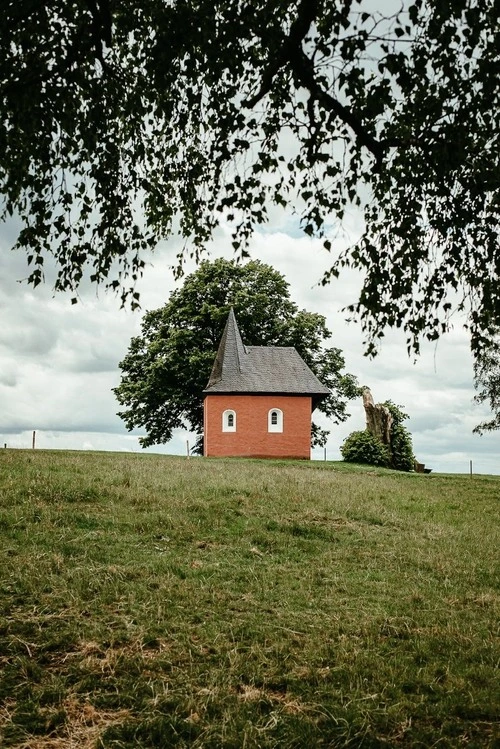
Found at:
(260, 369)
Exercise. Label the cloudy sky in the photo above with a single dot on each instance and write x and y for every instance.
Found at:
(59, 362)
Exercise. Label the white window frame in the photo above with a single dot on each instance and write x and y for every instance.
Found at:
(278, 427)
(226, 415)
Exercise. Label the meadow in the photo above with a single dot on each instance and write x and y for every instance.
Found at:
(155, 601)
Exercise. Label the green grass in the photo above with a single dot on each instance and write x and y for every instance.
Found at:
(152, 601)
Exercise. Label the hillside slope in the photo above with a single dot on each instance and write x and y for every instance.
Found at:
(148, 601)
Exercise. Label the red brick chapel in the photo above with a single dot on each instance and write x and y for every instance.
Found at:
(259, 400)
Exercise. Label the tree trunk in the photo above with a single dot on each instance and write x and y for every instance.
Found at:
(378, 419)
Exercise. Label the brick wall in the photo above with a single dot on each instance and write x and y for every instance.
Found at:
(251, 438)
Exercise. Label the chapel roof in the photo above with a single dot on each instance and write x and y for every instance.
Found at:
(260, 369)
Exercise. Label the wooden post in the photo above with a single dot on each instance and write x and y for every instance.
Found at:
(34, 438)
(325, 453)
(187, 447)
(470, 467)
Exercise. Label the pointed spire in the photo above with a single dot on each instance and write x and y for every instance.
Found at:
(231, 352)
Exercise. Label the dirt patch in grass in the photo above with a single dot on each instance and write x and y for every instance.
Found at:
(83, 724)
(249, 693)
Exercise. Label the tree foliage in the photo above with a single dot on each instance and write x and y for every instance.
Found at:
(401, 447)
(123, 122)
(168, 365)
(364, 447)
(487, 383)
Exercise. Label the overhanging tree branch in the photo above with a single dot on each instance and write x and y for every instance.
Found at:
(422, 102)
(306, 15)
(303, 70)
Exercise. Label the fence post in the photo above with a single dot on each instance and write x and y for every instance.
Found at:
(34, 438)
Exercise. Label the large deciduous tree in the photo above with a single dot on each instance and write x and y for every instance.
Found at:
(123, 121)
(168, 365)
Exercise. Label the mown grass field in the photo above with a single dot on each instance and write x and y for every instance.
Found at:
(153, 601)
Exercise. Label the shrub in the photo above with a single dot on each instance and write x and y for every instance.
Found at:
(401, 442)
(363, 447)
(402, 449)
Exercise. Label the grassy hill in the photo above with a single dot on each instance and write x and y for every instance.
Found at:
(153, 601)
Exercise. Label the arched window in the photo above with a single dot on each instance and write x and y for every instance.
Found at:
(275, 420)
(229, 421)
